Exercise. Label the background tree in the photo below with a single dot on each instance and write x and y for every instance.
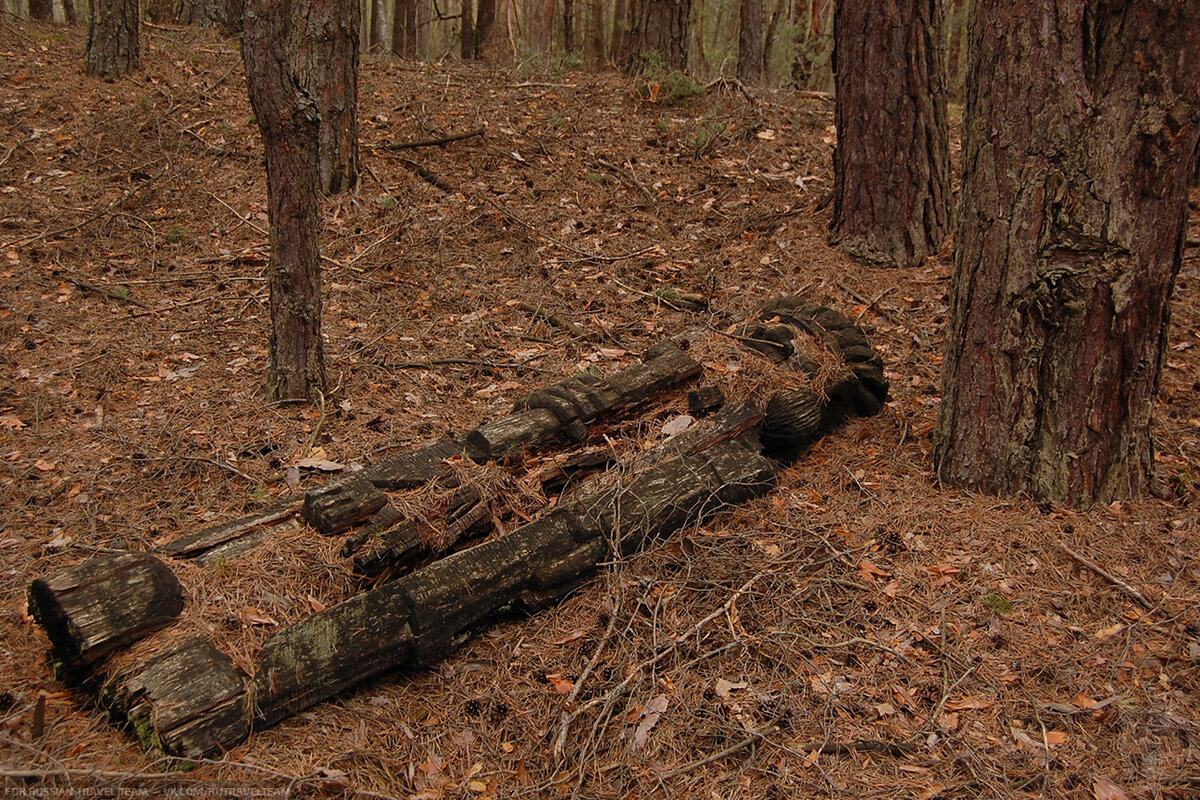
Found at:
(113, 48)
(325, 45)
(41, 10)
(1082, 119)
(658, 31)
(404, 29)
(891, 193)
(289, 119)
(750, 41)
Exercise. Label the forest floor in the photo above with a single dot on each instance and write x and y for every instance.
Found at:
(881, 607)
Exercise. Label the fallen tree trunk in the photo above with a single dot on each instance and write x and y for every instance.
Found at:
(104, 604)
(416, 620)
(189, 701)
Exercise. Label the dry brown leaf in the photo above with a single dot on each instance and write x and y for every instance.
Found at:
(650, 716)
(1104, 789)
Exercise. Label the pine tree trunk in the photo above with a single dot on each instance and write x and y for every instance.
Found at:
(113, 48)
(327, 43)
(658, 34)
(467, 33)
(485, 20)
(289, 119)
(619, 44)
(1080, 125)
(42, 10)
(568, 25)
(750, 41)
(891, 196)
(375, 42)
(69, 14)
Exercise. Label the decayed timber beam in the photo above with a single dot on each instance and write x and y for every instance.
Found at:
(416, 620)
(103, 604)
(192, 701)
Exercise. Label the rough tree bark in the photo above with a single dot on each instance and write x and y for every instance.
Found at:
(467, 30)
(891, 196)
(658, 32)
(1081, 121)
(750, 41)
(326, 45)
(289, 119)
(204, 13)
(113, 48)
(404, 29)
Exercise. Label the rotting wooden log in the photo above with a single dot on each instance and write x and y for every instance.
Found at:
(339, 506)
(397, 546)
(505, 438)
(415, 468)
(195, 544)
(730, 422)
(382, 520)
(103, 604)
(705, 400)
(418, 619)
(562, 410)
(189, 701)
(793, 421)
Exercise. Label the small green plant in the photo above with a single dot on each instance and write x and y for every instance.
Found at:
(708, 136)
(176, 234)
(997, 603)
(594, 177)
(145, 103)
(388, 202)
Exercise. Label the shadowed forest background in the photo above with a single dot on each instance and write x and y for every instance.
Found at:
(603, 207)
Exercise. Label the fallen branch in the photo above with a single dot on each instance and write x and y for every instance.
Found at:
(1128, 589)
(441, 140)
(109, 293)
(429, 177)
(461, 362)
(554, 318)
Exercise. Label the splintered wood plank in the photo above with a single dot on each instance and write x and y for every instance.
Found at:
(197, 543)
(189, 701)
(103, 604)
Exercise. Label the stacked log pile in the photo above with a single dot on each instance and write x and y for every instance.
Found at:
(191, 700)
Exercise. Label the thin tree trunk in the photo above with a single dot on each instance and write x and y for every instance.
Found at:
(485, 20)
(568, 18)
(289, 119)
(1081, 123)
(891, 195)
(328, 53)
(750, 43)
(113, 48)
(619, 44)
(467, 35)
(375, 42)
(42, 10)
(770, 37)
(69, 14)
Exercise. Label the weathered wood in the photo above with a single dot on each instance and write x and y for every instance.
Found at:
(675, 493)
(97, 606)
(705, 400)
(382, 520)
(417, 619)
(399, 545)
(504, 438)
(194, 544)
(189, 701)
(339, 506)
(329, 652)
(730, 422)
(793, 421)
(562, 410)
(413, 469)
